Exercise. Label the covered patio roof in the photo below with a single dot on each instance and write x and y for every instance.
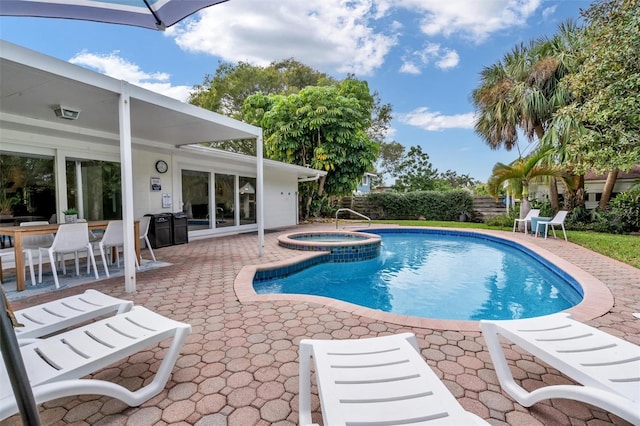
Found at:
(111, 112)
(33, 83)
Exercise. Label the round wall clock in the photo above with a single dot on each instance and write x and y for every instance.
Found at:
(162, 166)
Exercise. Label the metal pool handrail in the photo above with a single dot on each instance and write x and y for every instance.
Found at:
(352, 212)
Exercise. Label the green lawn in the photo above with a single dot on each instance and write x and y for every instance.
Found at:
(625, 248)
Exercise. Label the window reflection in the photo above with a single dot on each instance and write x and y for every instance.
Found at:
(225, 200)
(247, 200)
(94, 188)
(195, 198)
(27, 188)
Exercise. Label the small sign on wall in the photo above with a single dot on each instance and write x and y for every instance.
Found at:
(155, 184)
(166, 201)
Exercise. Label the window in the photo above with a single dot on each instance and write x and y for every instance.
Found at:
(27, 187)
(94, 188)
(225, 200)
(195, 199)
(247, 192)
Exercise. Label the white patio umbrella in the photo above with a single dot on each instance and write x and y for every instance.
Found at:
(152, 14)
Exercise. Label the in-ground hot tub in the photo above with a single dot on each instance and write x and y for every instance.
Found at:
(343, 246)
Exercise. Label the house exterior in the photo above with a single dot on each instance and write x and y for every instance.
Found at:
(593, 186)
(71, 137)
(364, 186)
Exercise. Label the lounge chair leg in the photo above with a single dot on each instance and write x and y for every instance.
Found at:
(304, 385)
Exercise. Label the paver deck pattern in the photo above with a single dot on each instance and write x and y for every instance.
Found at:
(240, 364)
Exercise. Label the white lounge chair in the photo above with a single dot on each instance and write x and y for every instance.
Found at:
(558, 219)
(526, 220)
(382, 381)
(47, 318)
(56, 364)
(607, 366)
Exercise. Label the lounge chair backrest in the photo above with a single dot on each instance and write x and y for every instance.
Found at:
(607, 366)
(560, 217)
(50, 317)
(57, 364)
(381, 380)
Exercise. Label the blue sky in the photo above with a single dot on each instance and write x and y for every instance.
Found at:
(422, 56)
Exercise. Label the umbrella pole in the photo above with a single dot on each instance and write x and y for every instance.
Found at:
(15, 368)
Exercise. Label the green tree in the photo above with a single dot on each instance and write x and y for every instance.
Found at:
(604, 119)
(389, 159)
(523, 91)
(456, 181)
(519, 174)
(322, 127)
(226, 91)
(415, 172)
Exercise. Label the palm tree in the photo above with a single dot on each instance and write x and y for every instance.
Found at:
(520, 173)
(523, 91)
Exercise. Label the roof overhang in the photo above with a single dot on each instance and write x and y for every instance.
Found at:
(236, 158)
(33, 84)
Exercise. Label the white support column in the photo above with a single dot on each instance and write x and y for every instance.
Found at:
(126, 171)
(61, 185)
(260, 195)
(79, 193)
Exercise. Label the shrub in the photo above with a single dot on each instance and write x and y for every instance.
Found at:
(432, 205)
(505, 220)
(580, 219)
(626, 207)
(544, 206)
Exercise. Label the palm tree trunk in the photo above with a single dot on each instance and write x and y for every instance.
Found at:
(553, 194)
(612, 176)
(525, 205)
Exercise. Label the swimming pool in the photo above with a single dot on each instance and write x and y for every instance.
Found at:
(439, 274)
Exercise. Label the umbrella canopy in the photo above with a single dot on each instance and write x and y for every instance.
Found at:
(152, 14)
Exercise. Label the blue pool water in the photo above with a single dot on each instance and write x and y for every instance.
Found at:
(444, 274)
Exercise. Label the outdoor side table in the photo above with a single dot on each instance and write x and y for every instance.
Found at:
(534, 223)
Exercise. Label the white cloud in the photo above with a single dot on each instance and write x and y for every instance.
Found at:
(114, 66)
(341, 36)
(475, 19)
(409, 67)
(449, 59)
(435, 121)
(549, 11)
(322, 34)
(444, 59)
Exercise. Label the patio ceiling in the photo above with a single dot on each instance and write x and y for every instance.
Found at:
(33, 83)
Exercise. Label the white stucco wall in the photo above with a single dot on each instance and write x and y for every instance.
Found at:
(280, 186)
(280, 194)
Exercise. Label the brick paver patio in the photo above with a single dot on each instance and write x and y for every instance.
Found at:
(239, 366)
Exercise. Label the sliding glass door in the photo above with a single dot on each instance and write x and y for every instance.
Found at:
(94, 188)
(231, 203)
(195, 199)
